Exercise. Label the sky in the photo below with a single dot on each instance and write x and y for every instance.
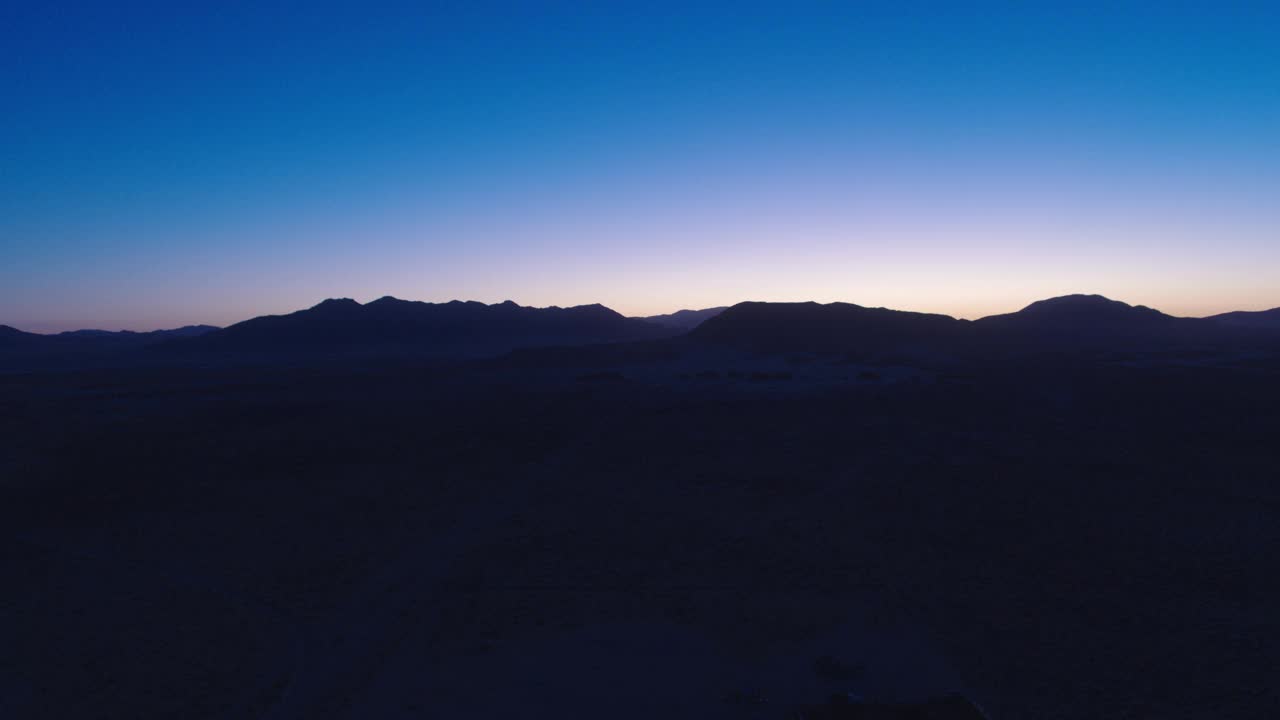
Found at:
(164, 164)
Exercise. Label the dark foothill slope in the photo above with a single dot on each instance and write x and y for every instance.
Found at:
(390, 323)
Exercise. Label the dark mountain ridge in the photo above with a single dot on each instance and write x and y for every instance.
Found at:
(401, 328)
(834, 327)
(11, 338)
(1091, 313)
(1075, 318)
(184, 331)
(1260, 319)
(1092, 323)
(84, 348)
(1072, 323)
(457, 326)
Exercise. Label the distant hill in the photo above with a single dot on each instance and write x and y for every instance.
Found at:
(814, 327)
(83, 348)
(152, 335)
(391, 324)
(89, 340)
(1261, 320)
(1081, 313)
(685, 319)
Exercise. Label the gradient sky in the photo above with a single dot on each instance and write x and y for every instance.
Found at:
(164, 164)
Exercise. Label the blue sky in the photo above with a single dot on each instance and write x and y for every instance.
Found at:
(166, 163)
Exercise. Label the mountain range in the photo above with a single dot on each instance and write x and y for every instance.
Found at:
(470, 329)
(1071, 323)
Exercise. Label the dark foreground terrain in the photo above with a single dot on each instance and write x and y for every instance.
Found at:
(552, 538)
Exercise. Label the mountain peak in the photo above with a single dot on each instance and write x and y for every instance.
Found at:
(1081, 302)
(596, 310)
(336, 304)
(1080, 313)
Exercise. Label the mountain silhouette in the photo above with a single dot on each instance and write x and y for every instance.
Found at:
(1081, 313)
(813, 327)
(88, 340)
(1260, 320)
(1063, 324)
(456, 329)
(685, 319)
(1098, 324)
(84, 348)
(184, 331)
(393, 324)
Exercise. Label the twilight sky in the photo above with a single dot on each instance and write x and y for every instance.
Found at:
(164, 164)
